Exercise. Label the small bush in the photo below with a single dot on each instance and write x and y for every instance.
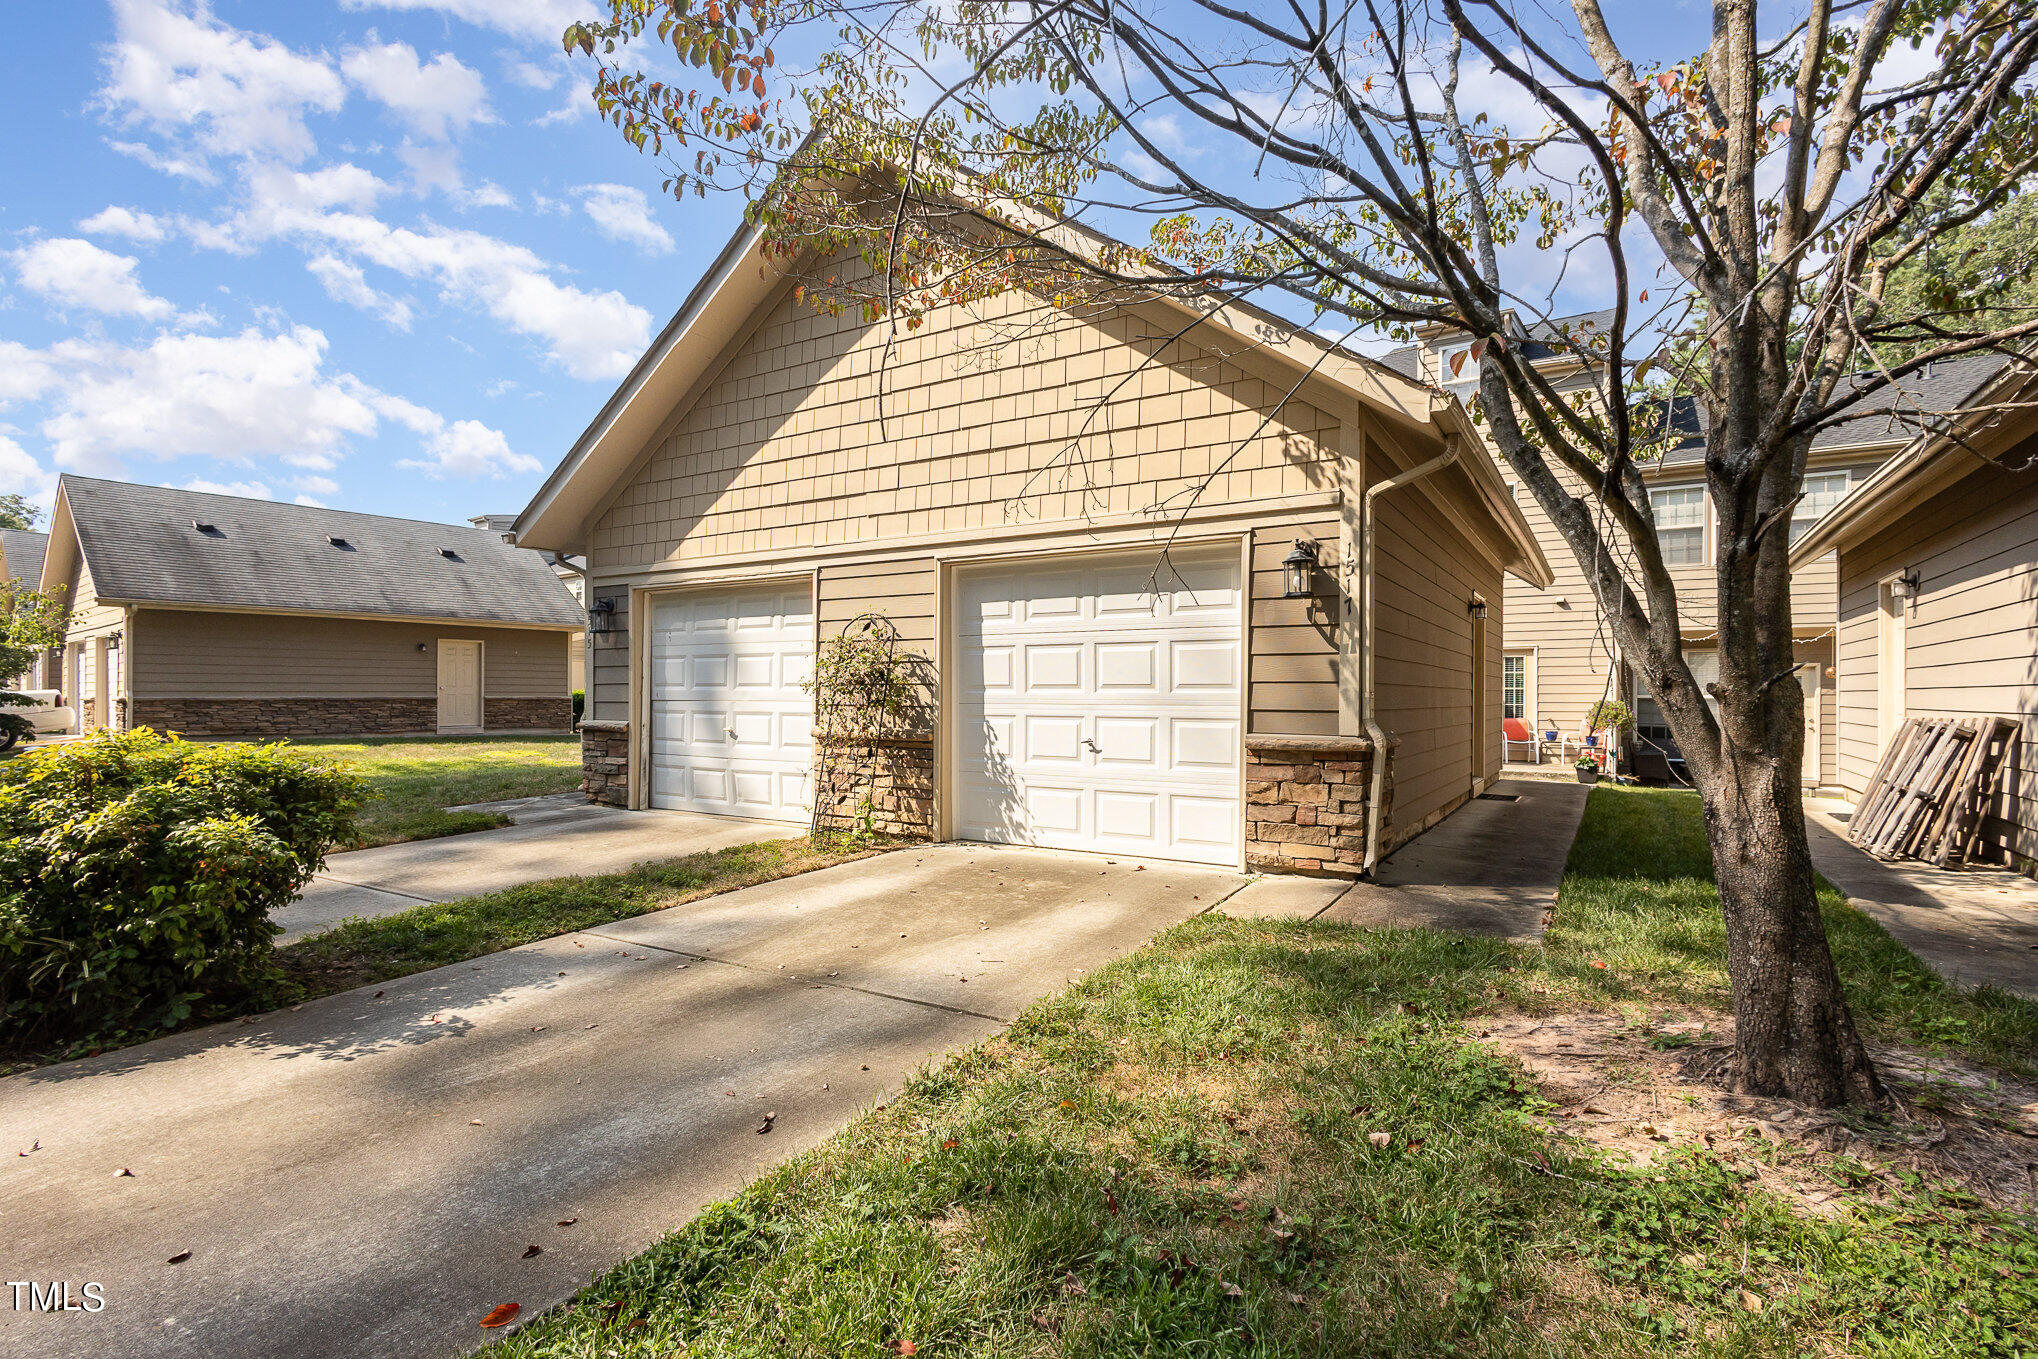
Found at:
(579, 705)
(138, 871)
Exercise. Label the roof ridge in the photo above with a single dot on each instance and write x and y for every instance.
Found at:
(277, 504)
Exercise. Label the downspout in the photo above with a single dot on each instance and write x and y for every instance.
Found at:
(1374, 731)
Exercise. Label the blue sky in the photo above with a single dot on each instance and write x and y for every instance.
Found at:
(377, 254)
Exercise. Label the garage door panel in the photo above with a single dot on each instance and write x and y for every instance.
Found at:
(732, 731)
(1093, 714)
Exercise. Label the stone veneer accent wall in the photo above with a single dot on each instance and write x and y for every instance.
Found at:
(527, 714)
(1305, 803)
(287, 716)
(901, 792)
(605, 762)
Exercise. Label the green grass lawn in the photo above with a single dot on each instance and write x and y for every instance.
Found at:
(411, 781)
(1277, 1138)
(362, 952)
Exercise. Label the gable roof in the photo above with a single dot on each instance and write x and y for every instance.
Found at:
(23, 549)
(158, 545)
(743, 280)
(1932, 461)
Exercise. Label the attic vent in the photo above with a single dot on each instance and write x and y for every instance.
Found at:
(449, 554)
(208, 529)
(339, 542)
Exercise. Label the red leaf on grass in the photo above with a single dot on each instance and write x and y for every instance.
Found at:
(502, 1316)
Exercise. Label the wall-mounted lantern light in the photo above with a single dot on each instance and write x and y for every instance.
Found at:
(1477, 608)
(600, 615)
(1904, 588)
(1298, 571)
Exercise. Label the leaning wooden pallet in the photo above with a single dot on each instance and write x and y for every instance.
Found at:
(1890, 779)
(1930, 792)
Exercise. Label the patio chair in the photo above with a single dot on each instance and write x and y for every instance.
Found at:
(1513, 733)
(1577, 742)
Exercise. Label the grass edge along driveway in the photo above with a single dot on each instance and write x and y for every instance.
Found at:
(412, 780)
(1266, 1138)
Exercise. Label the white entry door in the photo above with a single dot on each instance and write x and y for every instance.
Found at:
(731, 728)
(1094, 713)
(459, 685)
(1808, 680)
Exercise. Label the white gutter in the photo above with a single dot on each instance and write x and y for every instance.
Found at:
(1374, 730)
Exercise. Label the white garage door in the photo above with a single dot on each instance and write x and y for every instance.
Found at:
(1094, 714)
(731, 729)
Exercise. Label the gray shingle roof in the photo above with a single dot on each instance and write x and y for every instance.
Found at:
(1889, 416)
(24, 550)
(257, 554)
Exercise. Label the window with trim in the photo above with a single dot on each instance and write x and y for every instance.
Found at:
(1822, 491)
(1680, 524)
(1514, 686)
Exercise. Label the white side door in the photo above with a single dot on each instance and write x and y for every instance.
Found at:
(731, 726)
(459, 685)
(1095, 713)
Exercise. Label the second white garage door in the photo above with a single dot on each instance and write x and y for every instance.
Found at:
(731, 728)
(1093, 713)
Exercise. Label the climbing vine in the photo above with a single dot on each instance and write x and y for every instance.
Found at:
(865, 695)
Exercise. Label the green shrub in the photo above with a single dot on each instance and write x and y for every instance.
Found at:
(579, 705)
(138, 871)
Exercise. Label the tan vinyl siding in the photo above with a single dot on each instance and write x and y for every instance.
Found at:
(1427, 576)
(905, 592)
(1293, 645)
(1971, 635)
(201, 654)
(608, 661)
(1001, 417)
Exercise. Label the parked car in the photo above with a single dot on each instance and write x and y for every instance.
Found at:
(47, 715)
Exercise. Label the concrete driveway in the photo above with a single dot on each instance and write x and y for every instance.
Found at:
(364, 1175)
(550, 842)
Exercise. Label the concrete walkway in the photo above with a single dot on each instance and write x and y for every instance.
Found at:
(365, 1174)
(1492, 867)
(1975, 926)
(548, 840)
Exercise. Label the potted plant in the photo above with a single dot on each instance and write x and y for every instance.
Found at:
(1588, 769)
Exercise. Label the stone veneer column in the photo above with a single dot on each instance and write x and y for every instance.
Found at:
(901, 789)
(1306, 803)
(605, 762)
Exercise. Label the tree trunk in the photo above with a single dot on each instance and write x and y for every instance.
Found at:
(1793, 1033)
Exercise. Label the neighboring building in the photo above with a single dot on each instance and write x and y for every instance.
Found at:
(1938, 596)
(1560, 659)
(21, 553)
(572, 573)
(216, 615)
(1003, 483)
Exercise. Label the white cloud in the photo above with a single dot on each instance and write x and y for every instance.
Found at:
(435, 99)
(115, 220)
(345, 282)
(622, 213)
(311, 502)
(343, 185)
(235, 397)
(76, 273)
(542, 20)
(175, 68)
(22, 475)
(183, 167)
(25, 374)
(468, 448)
(436, 169)
(240, 400)
(252, 490)
(592, 335)
(530, 74)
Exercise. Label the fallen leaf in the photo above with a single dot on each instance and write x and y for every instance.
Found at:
(906, 1346)
(949, 1144)
(529, 1251)
(123, 1173)
(1073, 1286)
(35, 1147)
(537, 1028)
(1111, 1202)
(1598, 964)
(474, 1122)
(1750, 1302)
(378, 995)
(568, 1221)
(502, 1316)
(1231, 1290)
(1380, 1139)
(765, 1126)
(1415, 1143)
(180, 1257)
